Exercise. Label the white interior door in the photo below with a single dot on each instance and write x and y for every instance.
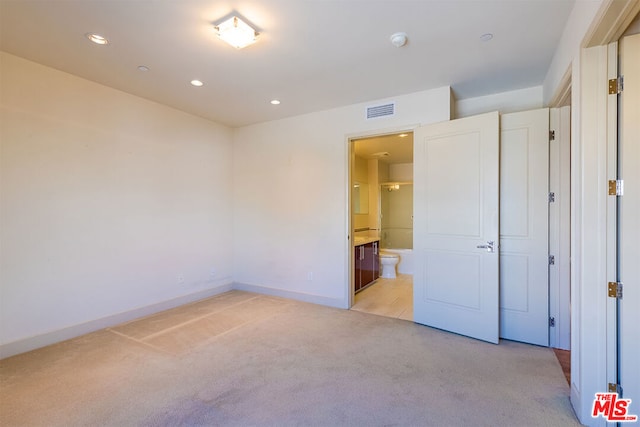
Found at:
(456, 218)
(524, 226)
(629, 209)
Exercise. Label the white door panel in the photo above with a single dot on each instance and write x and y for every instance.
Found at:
(453, 166)
(455, 211)
(524, 227)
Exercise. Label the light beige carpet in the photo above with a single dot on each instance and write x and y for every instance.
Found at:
(242, 359)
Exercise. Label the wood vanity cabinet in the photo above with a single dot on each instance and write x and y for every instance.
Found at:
(367, 264)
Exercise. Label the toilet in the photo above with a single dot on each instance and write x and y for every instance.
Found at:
(388, 262)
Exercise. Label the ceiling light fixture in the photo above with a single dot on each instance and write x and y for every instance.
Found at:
(275, 102)
(97, 38)
(197, 83)
(398, 39)
(236, 32)
(403, 135)
(379, 155)
(486, 37)
(143, 68)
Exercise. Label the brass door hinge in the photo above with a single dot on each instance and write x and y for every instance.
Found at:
(614, 290)
(616, 187)
(616, 85)
(615, 388)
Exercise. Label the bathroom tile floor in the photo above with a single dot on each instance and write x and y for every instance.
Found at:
(388, 297)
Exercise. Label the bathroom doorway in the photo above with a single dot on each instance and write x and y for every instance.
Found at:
(382, 215)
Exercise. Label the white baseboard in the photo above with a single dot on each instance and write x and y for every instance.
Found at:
(32, 343)
(42, 340)
(314, 299)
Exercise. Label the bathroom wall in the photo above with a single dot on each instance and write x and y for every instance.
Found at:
(361, 175)
(383, 172)
(360, 169)
(110, 206)
(401, 172)
(374, 197)
(290, 180)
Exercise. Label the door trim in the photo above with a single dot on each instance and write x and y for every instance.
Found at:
(349, 168)
(560, 228)
(592, 311)
(611, 21)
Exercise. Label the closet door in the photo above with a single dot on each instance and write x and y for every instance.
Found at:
(524, 226)
(456, 215)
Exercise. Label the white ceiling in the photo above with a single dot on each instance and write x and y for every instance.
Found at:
(311, 54)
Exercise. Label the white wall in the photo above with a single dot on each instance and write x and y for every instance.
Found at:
(568, 50)
(290, 196)
(634, 27)
(106, 201)
(504, 102)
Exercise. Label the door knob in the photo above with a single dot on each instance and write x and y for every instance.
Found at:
(489, 246)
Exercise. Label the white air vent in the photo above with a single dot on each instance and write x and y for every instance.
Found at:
(384, 110)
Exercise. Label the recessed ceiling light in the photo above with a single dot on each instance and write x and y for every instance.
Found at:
(403, 135)
(236, 32)
(197, 83)
(275, 102)
(97, 38)
(486, 37)
(143, 68)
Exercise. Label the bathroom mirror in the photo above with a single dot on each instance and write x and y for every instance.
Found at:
(360, 198)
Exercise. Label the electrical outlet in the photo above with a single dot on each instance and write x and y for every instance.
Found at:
(310, 276)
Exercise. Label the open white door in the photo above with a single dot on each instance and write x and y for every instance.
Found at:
(456, 226)
(524, 226)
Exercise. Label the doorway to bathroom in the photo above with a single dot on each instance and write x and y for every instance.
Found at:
(382, 216)
(524, 172)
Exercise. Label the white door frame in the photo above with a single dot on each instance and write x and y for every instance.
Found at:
(590, 371)
(560, 227)
(593, 363)
(349, 148)
(629, 221)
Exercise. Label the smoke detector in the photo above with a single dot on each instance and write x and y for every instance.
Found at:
(398, 39)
